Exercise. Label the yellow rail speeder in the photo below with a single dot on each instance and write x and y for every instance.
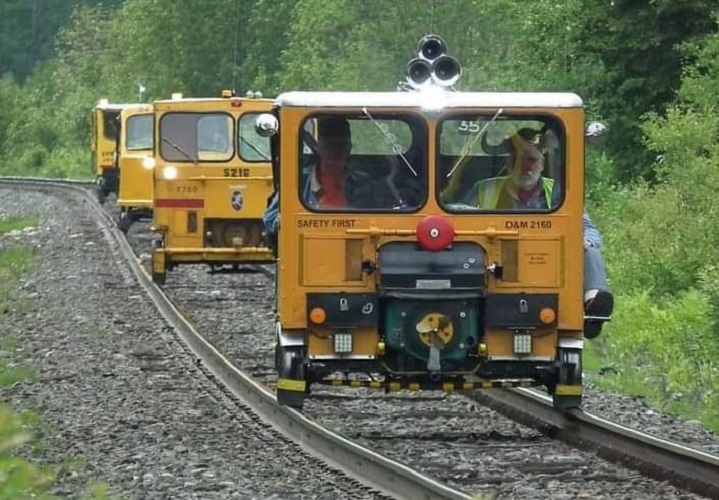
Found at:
(103, 146)
(135, 165)
(212, 179)
(407, 282)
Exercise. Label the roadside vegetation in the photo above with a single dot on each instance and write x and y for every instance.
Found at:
(646, 69)
(21, 477)
(18, 477)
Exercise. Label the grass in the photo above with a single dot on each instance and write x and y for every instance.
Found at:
(667, 354)
(19, 478)
(17, 223)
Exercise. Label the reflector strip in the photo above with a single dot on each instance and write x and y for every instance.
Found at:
(179, 203)
(446, 386)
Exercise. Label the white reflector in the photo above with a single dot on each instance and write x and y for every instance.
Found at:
(522, 343)
(343, 342)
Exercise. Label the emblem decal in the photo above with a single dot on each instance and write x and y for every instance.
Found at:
(237, 200)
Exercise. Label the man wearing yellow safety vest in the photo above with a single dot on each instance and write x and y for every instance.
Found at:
(525, 188)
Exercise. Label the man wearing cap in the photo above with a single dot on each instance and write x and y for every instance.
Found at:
(526, 188)
(323, 181)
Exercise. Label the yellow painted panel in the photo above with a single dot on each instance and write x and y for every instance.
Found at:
(328, 260)
(498, 342)
(135, 182)
(539, 263)
(179, 223)
(510, 249)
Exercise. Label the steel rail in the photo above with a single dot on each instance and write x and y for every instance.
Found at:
(34, 181)
(366, 466)
(683, 466)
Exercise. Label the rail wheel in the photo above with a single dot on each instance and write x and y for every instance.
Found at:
(158, 278)
(125, 221)
(101, 191)
(292, 387)
(567, 393)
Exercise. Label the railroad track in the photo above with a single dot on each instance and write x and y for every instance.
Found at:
(685, 467)
(386, 476)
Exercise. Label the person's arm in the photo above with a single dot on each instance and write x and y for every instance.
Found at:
(591, 233)
(271, 217)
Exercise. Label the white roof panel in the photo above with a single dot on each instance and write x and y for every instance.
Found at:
(110, 106)
(422, 99)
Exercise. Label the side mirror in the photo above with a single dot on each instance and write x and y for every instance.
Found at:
(267, 125)
(595, 133)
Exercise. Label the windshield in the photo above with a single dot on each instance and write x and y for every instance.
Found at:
(500, 162)
(193, 137)
(139, 132)
(370, 161)
(252, 146)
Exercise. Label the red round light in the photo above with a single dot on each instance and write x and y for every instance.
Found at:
(435, 233)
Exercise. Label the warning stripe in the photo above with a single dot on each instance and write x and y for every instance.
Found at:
(179, 203)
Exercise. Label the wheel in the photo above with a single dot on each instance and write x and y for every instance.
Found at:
(567, 392)
(101, 192)
(292, 388)
(124, 222)
(159, 278)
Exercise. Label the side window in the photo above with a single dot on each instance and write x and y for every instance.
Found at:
(110, 124)
(139, 132)
(252, 146)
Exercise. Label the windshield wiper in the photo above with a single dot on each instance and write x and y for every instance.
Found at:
(390, 140)
(180, 150)
(470, 144)
(255, 149)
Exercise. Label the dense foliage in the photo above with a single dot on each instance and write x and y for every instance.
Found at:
(648, 69)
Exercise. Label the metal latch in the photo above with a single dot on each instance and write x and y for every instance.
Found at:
(523, 306)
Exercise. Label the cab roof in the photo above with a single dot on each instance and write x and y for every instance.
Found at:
(212, 103)
(104, 105)
(421, 99)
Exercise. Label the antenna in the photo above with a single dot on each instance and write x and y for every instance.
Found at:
(140, 91)
(234, 48)
(431, 16)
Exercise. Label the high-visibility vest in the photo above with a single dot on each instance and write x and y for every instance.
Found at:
(488, 191)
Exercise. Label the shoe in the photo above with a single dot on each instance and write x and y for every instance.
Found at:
(597, 311)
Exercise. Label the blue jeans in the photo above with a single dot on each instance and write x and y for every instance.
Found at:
(595, 272)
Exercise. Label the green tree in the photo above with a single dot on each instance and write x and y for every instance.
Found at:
(637, 41)
(28, 29)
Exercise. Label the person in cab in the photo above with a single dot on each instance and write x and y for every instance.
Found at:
(323, 180)
(524, 187)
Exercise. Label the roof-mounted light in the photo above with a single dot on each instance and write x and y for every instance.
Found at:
(433, 66)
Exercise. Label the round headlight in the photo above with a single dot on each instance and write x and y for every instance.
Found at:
(148, 162)
(170, 173)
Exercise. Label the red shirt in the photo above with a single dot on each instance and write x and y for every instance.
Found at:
(332, 190)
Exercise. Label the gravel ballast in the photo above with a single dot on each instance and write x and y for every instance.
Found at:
(119, 399)
(446, 436)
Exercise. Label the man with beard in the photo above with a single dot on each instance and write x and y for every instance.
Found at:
(525, 188)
